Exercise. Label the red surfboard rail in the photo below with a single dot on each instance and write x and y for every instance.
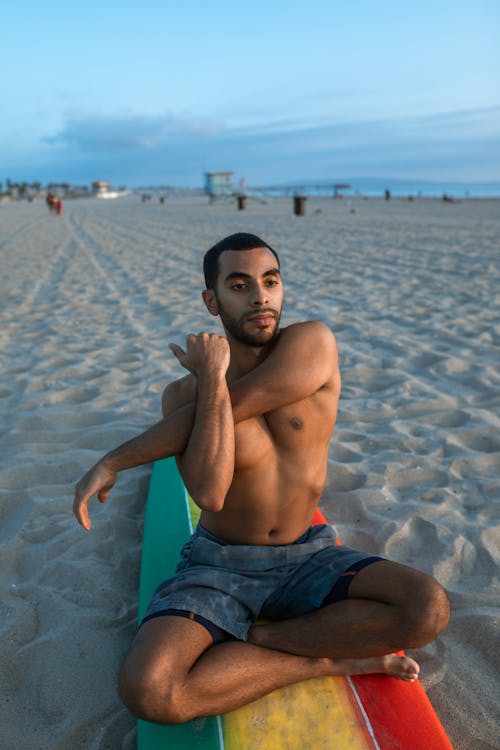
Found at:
(400, 713)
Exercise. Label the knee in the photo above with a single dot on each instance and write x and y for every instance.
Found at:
(153, 697)
(427, 612)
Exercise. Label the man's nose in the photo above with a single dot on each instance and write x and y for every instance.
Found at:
(260, 295)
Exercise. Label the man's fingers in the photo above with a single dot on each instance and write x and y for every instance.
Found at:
(97, 481)
(202, 351)
(81, 512)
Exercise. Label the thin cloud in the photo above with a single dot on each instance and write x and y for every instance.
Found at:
(133, 133)
(178, 149)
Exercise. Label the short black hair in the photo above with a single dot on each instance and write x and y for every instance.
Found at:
(238, 241)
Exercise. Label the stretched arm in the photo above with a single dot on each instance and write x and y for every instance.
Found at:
(166, 438)
(303, 360)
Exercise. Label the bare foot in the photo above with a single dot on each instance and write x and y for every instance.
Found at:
(401, 667)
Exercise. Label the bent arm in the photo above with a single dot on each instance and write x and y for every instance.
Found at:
(303, 360)
(207, 462)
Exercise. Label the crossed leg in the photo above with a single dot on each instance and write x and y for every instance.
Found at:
(389, 607)
(173, 673)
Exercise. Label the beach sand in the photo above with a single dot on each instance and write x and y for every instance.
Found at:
(90, 301)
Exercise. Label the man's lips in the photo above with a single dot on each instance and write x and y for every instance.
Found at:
(262, 318)
(263, 315)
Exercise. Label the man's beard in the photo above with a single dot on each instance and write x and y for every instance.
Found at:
(235, 327)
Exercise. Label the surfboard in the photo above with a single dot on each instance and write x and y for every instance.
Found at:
(366, 712)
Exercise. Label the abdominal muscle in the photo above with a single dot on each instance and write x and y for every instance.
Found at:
(272, 504)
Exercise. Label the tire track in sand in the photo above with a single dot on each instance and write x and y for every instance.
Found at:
(52, 251)
(90, 248)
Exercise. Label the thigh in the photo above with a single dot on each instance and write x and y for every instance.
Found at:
(305, 588)
(388, 582)
(166, 645)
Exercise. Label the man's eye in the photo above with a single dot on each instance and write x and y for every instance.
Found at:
(239, 285)
(271, 282)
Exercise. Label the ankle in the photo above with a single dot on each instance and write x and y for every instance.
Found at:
(325, 666)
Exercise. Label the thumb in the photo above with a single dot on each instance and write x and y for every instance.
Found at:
(178, 351)
(103, 495)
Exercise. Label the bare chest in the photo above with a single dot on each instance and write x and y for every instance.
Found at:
(294, 429)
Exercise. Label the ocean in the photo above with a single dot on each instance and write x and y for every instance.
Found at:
(376, 187)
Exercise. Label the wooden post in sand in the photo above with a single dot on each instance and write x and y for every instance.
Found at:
(242, 202)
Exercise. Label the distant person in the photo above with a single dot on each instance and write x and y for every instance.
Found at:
(250, 426)
(59, 206)
(51, 202)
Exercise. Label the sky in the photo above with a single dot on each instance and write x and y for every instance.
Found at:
(158, 92)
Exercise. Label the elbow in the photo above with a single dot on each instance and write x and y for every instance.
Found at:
(214, 506)
(210, 502)
(209, 498)
(209, 489)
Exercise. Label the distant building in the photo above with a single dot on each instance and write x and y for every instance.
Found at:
(101, 186)
(101, 189)
(219, 184)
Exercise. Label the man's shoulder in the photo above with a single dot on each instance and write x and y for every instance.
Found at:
(312, 345)
(178, 393)
(310, 331)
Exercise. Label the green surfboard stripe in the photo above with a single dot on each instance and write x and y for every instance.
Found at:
(166, 528)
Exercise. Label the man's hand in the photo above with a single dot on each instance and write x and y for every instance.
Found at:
(97, 481)
(207, 353)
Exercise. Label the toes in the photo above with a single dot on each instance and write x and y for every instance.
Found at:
(413, 668)
(411, 672)
(409, 677)
(405, 668)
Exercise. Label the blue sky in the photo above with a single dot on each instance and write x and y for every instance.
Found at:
(159, 92)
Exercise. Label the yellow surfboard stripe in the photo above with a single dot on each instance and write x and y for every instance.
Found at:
(318, 713)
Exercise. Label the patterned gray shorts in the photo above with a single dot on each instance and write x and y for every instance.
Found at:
(231, 586)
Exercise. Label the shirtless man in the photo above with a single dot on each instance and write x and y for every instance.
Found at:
(250, 426)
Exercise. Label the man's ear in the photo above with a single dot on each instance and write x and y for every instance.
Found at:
(210, 301)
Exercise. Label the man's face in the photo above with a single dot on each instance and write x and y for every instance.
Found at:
(249, 295)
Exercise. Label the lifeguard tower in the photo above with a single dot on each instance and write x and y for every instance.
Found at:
(338, 187)
(219, 185)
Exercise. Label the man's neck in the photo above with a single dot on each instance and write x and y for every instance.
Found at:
(245, 358)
